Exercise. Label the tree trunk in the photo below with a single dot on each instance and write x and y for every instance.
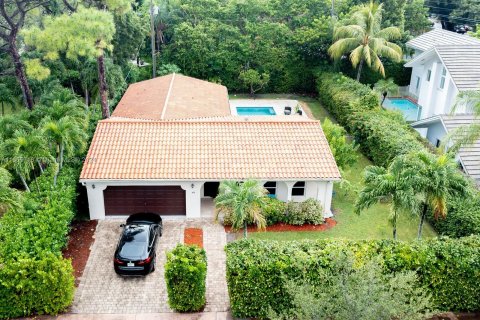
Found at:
(60, 164)
(40, 166)
(24, 182)
(360, 67)
(245, 231)
(20, 73)
(87, 98)
(394, 223)
(102, 84)
(384, 97)
(422, 219)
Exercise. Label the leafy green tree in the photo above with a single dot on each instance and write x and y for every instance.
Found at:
(167, 68)
(253, 80)
(396, 184)
(466, 12)
(352, 292)
(416, 17)
(11, 123)
(440, 180)
(6, 97)
(343, 150)
(87, 32)
(9, 197)
(130, 34)
(365, 42)
(386, 87)
(476, 34)
(22, 152)
(243, 202)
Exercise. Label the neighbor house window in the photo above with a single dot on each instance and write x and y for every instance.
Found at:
(271, 187)
(298, 189)
(442, 78)
(417, 85)
(429, 74)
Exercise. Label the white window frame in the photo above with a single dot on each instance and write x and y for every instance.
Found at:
(302, 187)
(443, 79)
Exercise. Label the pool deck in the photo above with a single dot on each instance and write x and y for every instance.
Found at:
(277, 105)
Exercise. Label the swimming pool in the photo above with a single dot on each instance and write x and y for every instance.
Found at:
(256, 111)
(409, 109)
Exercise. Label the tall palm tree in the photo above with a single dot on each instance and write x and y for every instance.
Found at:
(386, 87)
(440, 180)
(364, 40)
(244, 201)
(6, 97)
(23, 151)
(58, 110)
(67, 135)
(394, 184)
(9, 197)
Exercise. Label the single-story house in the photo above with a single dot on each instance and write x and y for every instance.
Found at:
(173, 139)
(437, 127)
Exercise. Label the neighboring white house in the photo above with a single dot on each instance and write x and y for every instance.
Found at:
(171, 140)
(444, 64)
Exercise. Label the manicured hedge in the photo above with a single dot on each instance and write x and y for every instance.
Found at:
(344, 97)
(257, 271)
(42, 285)
(185, 275)
(383, 136)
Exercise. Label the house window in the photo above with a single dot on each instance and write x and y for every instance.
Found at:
(271, 187)
(417, 85)
(429, 74)
(442, 78)
(298, 189)
(438, 143)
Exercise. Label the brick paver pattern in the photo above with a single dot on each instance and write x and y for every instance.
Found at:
(102, 291)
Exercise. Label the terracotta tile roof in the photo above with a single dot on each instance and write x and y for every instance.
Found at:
(206, 150)
(173, 96)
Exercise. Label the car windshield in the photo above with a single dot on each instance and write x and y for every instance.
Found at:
(134, 242)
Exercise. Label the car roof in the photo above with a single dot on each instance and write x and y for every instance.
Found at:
(144, 218)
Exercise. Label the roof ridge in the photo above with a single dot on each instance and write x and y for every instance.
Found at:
(192, 121)
(167, 98)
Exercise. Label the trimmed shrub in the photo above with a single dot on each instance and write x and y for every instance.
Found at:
(30, 285)
(309, 211)
(343, 97)
(185, 275)
(383, 136)
(258, 271)
(275, 211)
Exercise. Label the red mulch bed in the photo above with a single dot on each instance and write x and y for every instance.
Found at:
(193, 236)
(280, 227)
(78, 247)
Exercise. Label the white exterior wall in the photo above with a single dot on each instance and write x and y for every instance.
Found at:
(319, 190)
(431, 97)
(435, 131)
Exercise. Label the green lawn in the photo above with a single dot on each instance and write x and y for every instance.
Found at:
(370, 224)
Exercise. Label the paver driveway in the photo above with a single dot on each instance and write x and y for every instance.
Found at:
(102, 291)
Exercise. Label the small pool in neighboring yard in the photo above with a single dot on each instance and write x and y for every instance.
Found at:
(256, 111)
(409, 109)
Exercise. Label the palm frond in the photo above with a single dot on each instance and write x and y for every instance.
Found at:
(342, 47)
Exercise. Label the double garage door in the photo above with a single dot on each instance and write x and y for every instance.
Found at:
(164, 200)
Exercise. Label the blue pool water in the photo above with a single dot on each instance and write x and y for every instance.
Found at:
(409, 109)
(255, 111)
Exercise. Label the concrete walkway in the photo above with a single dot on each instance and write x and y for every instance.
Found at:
(149, 316)
(101, 291)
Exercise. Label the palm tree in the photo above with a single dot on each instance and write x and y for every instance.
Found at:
(67, 135)
(364, 41)
(395, 184)
(244, 201)
(440, 180)
(11, 123)
(6, 97)
(9, 198)
(386, 87)
(58, 110)
(23, 151)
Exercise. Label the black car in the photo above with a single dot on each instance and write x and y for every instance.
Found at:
(135, 253)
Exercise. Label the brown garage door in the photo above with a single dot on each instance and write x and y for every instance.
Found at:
(164, 200)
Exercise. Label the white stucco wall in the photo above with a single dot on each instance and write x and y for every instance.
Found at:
(435, 131)
(317, 189)
(433, 99)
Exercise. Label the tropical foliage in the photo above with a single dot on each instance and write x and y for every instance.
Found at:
(242, 202)
(364, 41)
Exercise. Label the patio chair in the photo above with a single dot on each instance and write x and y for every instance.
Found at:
(287, 111)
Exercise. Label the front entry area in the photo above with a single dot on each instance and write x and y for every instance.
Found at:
(126, 200)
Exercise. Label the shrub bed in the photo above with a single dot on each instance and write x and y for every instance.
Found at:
(185, 275)
(258, 271)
